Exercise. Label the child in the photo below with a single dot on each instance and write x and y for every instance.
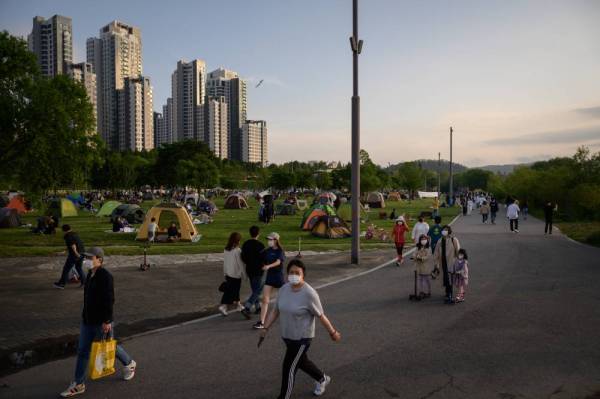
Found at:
(460, 275)
(422, 267)
(398, 233)
(152, 229)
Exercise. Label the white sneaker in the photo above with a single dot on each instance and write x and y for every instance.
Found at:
(72, 390)
(129, 370)
(320, 387)
(516, 231)
(223, 310)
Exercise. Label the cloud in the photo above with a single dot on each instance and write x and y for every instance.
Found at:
(592, 112)
(567, 136)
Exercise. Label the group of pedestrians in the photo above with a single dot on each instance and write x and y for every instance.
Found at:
(297, 305)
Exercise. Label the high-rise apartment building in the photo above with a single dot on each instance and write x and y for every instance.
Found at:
(84, 74)
(159, 128)
(188, 90)
(225, 83)
(51, 40)
(116, 55)
(216, 119)
(136, 115)
(254, 142)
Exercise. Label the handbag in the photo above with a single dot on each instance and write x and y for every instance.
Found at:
(223, 286)
(102, 358)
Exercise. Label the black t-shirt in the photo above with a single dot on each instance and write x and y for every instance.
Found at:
(252, 257)
(172, 232)
(548, 210)
(72, 238)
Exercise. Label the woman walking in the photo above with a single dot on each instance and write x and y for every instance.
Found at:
(273, 259)
(484, 210)
(446, 252)
(233, 268)
(297, 305)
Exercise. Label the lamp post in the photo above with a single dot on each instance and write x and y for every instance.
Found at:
(451, 177)
(439, 190)
(356, 46)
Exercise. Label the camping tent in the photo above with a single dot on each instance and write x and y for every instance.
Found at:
(330, 227)
(207, 207)
(375, 200)
(285, 209)
(61, 208)
(186, 226)
(313, 213)
(394, 196)
(76, 199)
(236, 201)
(133, 213)
(325, 199)
(108, 208)
(17, 203)
(345, 212)
(9, 217)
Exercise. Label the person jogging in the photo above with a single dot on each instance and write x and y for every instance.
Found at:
(298, 304)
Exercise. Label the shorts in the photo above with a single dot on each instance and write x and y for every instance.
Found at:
(399, 248)
(275, 280)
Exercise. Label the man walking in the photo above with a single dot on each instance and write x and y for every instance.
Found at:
(75, 250)
(98, 300)
(493, 209)
(549, 209)
(252, 256)
(512, 213)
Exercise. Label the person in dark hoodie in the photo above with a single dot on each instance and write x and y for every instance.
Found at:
(252, 255)
(97, 320)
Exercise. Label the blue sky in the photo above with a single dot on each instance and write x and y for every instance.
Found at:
(518, 80)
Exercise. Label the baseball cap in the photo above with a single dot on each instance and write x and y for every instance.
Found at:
(94, 251)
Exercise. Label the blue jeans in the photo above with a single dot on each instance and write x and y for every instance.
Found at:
(87, 334)
(69, 263)
(256, 284)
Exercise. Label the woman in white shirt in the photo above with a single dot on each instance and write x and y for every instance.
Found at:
(234, 270)
(421, 228)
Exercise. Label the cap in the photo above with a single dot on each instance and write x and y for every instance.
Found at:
(273, 236)
(94, 251)
(400, 219)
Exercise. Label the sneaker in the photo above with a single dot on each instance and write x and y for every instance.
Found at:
(258, 325)
(59, 286)
(516, 231)
(397, 264)
(223, 310)
(72, 390)
(320, 387)
(246, 313)
(129, 370)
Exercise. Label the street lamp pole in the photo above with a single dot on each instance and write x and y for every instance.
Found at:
(451, 177)
(356, 46)
(438, 170)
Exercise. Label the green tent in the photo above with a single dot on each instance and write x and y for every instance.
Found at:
(61, 208)
(107, 208)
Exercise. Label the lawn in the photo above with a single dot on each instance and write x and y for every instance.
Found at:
(585, 232)
(93, 231)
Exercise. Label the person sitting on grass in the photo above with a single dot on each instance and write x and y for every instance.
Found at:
(173, 233)
(118, 224)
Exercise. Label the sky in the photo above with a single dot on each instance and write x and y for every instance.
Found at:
(519, 81)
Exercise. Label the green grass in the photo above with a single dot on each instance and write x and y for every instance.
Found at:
(92, 230)
(585, 232)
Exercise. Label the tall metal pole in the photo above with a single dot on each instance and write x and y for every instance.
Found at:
(356, 46)
(451, 177)
(439, 169)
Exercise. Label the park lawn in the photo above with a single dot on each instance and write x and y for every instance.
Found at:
(94, 231)
(585, 232)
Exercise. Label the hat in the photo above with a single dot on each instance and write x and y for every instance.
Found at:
(95, 251)
(400, 219)
(273, 236)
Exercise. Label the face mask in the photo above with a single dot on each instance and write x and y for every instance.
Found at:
(461, 256)
(88, 265)
(423, 242)
(400, 223)
(444, 233)
(271, 243)
(294, 279)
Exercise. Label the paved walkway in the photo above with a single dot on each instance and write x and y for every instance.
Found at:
(528, 329)
(40, 322)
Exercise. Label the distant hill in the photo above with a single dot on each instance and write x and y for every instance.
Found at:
(502, 169)
(432, 164)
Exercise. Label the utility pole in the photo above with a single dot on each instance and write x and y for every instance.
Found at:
(356, 46)
(439, 168)
(451, 177)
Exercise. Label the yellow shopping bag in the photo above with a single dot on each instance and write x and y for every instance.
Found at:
(102, 358)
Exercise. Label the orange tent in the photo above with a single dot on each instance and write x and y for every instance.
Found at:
(312, 219)
(18, 204)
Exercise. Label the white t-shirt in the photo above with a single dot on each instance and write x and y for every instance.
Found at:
(421, 228)
(152, 227)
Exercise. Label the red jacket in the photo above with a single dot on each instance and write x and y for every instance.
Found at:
(398, 233)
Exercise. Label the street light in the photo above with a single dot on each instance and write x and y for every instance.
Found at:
(451, 177)
(356, 46)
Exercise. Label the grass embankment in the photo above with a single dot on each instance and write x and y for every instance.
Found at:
(94, 232)
(585, 232)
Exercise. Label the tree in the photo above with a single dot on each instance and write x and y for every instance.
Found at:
(198, 172)
(305, 179)
(409, 176)
(340, 177)
(282, 179)
(323, 181)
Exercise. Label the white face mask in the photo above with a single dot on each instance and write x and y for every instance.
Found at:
(88, 265)
(271, 243)
(294, 279)
(423, 242)
(444, 233)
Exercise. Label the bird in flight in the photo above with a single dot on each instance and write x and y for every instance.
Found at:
(259, 83)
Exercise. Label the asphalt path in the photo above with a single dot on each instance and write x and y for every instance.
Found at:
(529, 328)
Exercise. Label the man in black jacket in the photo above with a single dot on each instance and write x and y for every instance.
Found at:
(98, 300)
(252, 256)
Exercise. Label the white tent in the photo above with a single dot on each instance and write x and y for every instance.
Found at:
(427, 194)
